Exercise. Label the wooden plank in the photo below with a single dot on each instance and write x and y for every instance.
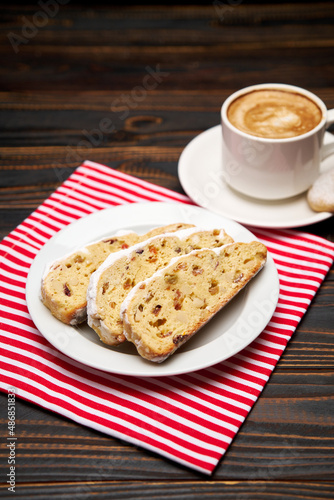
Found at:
(171, 490)
(204, 43)
(106, 100)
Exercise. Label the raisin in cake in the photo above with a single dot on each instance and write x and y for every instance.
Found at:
(111, 283)
(65, 281)
(162, 312)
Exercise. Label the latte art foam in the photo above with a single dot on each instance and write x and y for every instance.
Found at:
(274, 114)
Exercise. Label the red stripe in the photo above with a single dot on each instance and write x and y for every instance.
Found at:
(261, 358)
(28, 224)
(11, 292)
(142, 397)
(202, 407)
(16, 305)
(70, 203)
(280, 331)
(46, 218)
(51, 215)
(301, 271)
(219, 392)
(11, 259)
(49, 357)
(121, 429)
(294, 246)
(293, 304)
(114, 400)
(223, 379)
(82, 190)
(100, 203)
(250, 366)
(272, 338)
(281, 309)
(13, 246)
(226, 392)
(139, 183)
(288, 321)
(5, 266)
(293, 236)
(18, 318)
(226, 386)
(43, 222)
(294, 294)
(10, 281)
(76, 199)
(236, 371)
(30, 337)
(18, 238)
(307, 289)
(270, 350)
(119, 194)
(46, 221)
(31, 238)
(290, 255)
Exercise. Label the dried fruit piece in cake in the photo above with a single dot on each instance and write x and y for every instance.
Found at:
(111, 283)
(65, 281)
(185, 295)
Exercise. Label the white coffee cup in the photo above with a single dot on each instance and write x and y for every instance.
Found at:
(273, 168)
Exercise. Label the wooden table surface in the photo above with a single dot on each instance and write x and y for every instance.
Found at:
(62, 74)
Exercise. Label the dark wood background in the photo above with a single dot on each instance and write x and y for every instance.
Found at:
(56, 85)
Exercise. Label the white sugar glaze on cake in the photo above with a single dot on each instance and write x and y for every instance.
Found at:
(165, 310)
(110, 284)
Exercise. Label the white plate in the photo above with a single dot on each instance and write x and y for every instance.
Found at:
(228, 332)
(200, 173)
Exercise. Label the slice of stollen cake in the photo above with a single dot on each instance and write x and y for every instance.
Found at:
(162, 312)
(120, 272)
(65, 281)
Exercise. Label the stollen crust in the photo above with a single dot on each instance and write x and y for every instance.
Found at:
(121, 271)
(164, 311)
(65, 281)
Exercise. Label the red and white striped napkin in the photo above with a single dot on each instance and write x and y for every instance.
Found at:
(190, 419)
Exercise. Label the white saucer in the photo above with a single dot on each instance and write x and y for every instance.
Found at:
(200, 174)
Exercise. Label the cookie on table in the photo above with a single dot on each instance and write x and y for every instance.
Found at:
(320, 196)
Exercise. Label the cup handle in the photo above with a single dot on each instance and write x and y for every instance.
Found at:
(328, 149)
